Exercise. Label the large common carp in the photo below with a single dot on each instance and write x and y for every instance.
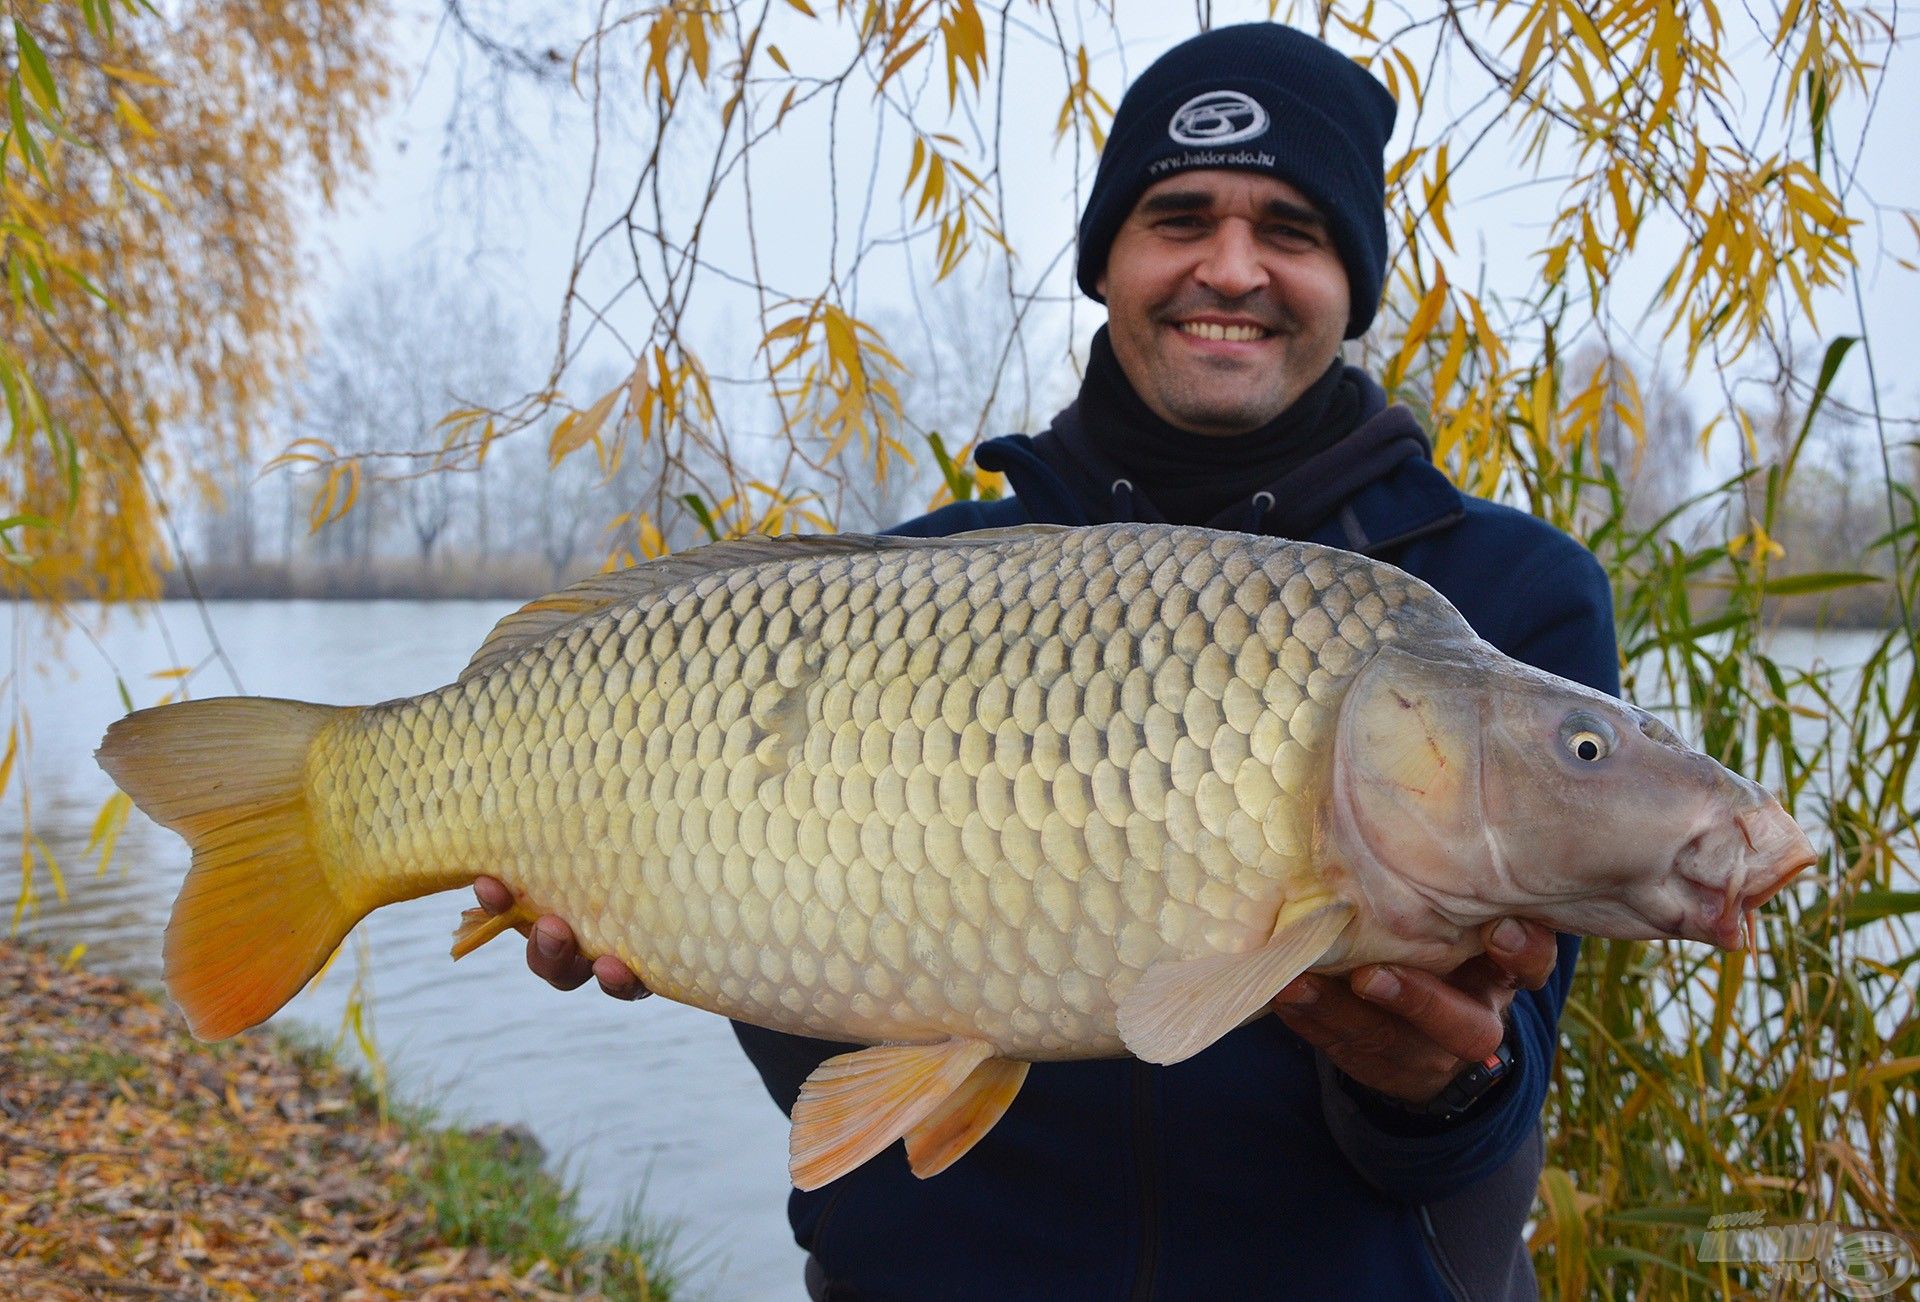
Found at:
(1019, 795)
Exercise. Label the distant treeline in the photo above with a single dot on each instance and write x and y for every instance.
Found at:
(502, 578)
(524, 578)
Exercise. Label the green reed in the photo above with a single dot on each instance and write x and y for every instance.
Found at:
(1784, 1081)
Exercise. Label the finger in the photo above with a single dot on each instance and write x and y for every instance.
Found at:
(493, 894)
(1525, 951)
(1484, 982)
(1462, 1025)
(617, 979)
(554, 957)
(1373, 1046)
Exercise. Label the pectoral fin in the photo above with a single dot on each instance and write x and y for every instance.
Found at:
(1177, 1009)
(854, 1105)
(944, 1135)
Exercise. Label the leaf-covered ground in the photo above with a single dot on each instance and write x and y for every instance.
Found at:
(137, 1162)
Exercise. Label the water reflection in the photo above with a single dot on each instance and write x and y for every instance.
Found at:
(651, 1094)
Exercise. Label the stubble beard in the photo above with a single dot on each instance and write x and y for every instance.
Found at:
(1228, 402)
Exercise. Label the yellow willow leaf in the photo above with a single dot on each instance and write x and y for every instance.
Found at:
(919, 160)
(843, 346)
(562, 442)
(651, 543)
(174, 674)
(133, 75)
(702, 391)
(1449, 369)
(1556, 263)
(659, 41)
(803, 7)
(1669, 34)
(153, 193)
(1583, 27)
(900, 60)
(1411, 73)
(1540, 20)
(1623, 213)
(58, 878)
(6, 761)
(1422, 323)
(336, 496)
(1436, 196)
(322, 451)
(697, 53)
(130, 113)
(1696, 172)
(28, 898)
(1593, 251)
(1789, 19)
(935, 187)
(1540, 404)
(793, 325)
(640, 398)
(590, 424)
(1490, 346)
(779, 59)
(1404, 164)
(106, 828)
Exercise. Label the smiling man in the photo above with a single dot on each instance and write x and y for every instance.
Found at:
(1380, 1138)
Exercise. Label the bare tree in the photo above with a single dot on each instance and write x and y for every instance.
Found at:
(401, 349)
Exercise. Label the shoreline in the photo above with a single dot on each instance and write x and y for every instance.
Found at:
(135, 1160)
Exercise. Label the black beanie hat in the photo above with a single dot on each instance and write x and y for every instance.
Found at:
(1258, 97)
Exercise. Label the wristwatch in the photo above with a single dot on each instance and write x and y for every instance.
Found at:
(1464, 1090)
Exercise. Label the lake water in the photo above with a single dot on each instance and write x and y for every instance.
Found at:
(625, 1097)
(651, 1096)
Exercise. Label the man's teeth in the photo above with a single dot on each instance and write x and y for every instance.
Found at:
(1210, 330)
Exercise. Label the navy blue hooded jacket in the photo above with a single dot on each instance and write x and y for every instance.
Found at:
(1253, 1169)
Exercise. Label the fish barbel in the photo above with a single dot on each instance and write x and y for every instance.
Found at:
(978, 801)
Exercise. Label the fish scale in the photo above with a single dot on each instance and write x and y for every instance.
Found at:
(898, 794)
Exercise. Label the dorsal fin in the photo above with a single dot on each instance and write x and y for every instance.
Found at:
(545, 616)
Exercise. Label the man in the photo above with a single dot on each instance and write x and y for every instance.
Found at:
(1380, 1138)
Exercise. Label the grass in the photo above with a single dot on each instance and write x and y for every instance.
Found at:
(490, 1189)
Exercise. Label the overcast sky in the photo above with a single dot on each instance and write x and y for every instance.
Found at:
(512, 225)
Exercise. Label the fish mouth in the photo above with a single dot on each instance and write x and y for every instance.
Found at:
(1776, 851)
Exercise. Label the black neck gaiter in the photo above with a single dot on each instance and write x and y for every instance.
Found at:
(1191, 478)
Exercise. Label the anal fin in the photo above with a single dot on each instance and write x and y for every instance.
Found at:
(1177, 1009)
(855, 1104)
(944, 1135)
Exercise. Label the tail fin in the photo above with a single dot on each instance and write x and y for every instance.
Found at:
(257, 916)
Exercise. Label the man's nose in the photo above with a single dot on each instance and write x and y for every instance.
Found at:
(1231, 265)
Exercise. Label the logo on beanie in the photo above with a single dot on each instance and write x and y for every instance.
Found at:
(1219, 117)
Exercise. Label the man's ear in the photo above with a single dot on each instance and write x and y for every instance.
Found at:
(1100, 285)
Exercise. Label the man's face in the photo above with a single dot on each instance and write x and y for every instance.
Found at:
(1225, 299)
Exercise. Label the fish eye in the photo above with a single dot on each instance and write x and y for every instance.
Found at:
(1587, 738)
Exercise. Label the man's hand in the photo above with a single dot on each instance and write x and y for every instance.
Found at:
(554, 956)
(1407, 1033)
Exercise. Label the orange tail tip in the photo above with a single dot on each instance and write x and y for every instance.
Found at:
(257, 916)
